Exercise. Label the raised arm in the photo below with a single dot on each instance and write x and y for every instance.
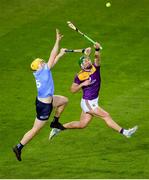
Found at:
(61, 53)
(55, 49)
(97, 59)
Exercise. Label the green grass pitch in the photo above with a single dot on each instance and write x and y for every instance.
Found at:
(28, 31)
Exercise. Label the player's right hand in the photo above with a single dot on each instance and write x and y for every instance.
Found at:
(97, 45)
(62, 51)
(87, 51)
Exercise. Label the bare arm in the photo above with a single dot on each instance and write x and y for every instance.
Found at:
(61, 53)
(76, 87)
(97, 59)
(55, 49)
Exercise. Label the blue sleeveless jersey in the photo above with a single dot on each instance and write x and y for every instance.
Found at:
(44, 82)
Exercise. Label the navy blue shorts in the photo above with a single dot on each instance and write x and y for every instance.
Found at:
(43, 110)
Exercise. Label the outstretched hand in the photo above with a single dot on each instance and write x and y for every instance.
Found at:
(97, 45)
(62, 51)
(58, 35)
(87, 51)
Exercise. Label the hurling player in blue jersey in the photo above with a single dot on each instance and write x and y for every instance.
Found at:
(46, 99)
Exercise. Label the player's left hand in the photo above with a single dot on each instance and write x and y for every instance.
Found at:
(58, 35)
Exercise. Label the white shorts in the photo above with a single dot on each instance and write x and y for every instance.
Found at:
(88, 105)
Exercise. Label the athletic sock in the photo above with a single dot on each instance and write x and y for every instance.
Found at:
(121, 131)
(61, 127)
(56, 124)
(20, 146)
(55, 119)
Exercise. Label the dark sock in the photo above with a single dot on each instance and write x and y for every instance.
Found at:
(61, 127)
(55, 119)
(121, 131)
(57, 125)
(20, 146)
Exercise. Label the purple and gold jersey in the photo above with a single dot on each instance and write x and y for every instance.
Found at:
(91, 91)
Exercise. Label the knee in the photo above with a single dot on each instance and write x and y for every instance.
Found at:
(65, 100)
(82, 125)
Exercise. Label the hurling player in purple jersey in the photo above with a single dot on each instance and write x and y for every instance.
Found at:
(89, 80)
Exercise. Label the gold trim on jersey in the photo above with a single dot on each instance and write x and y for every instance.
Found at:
(84, 75)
